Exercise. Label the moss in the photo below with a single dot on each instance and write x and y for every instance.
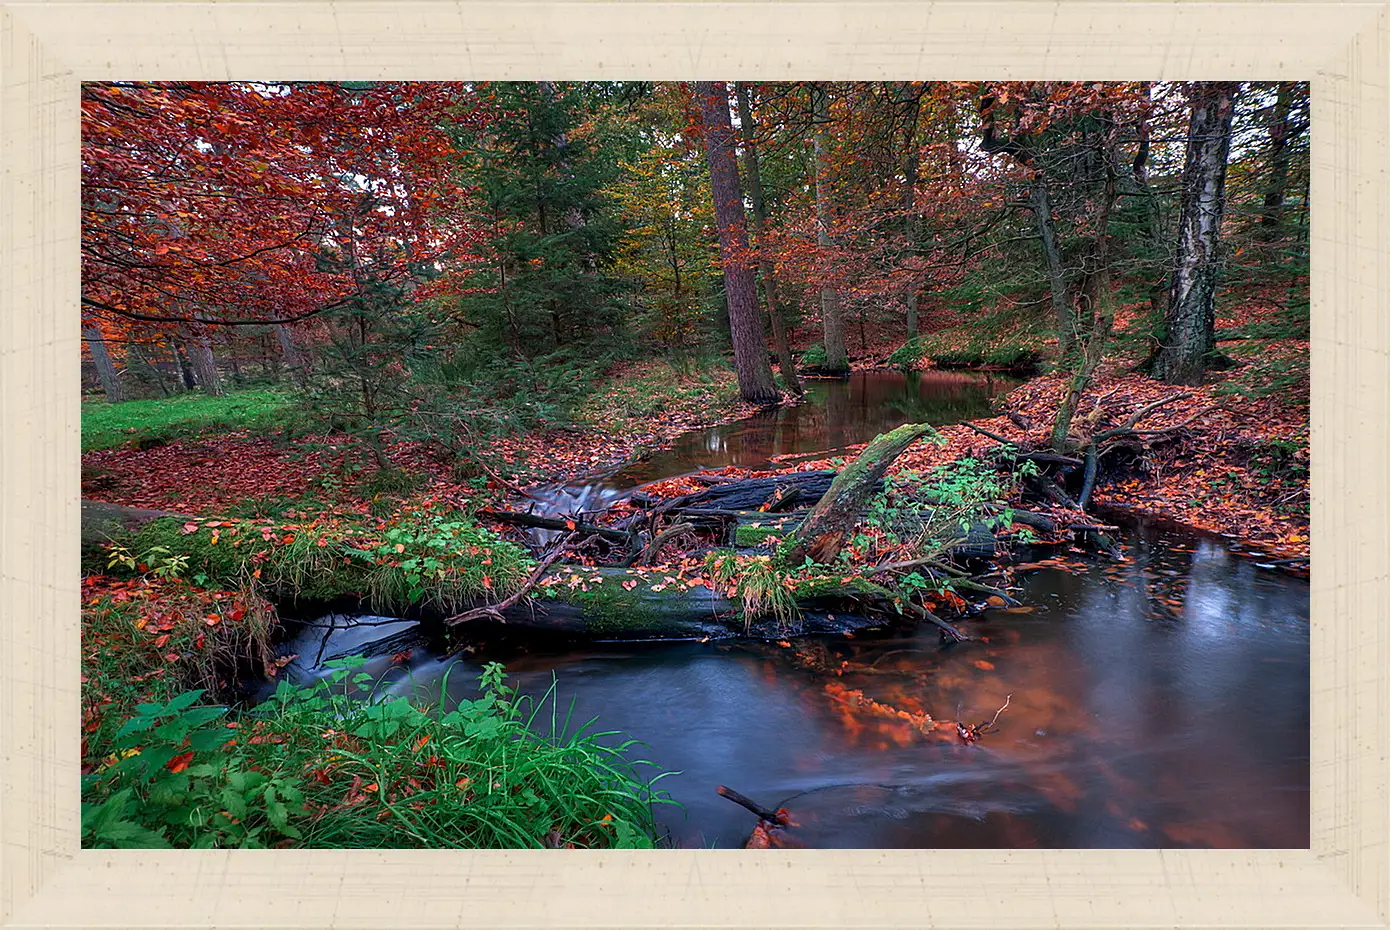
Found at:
(747, 535)
(834, 585)
(607, 609)
(435, 563)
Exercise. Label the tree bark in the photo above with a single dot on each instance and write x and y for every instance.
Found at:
(745, 328)
(910, 219)
(1057, 282)
(1281, 134)
(832, 324)
(185, 369)
(786, 364)
(293, 357)
(204, 364)
(1188, 325)
(822, 534)
(106, 368)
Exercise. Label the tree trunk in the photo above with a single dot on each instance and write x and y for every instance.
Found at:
(1098, 301)
(154, 369)
(832, 325)
(204, 364)
(786, 365)
(910, 218)
(1281, 133)
(745, 328)
(1057, 282)
(185, 369)
(1154, 221)
(294, 359)
(106, 369)
(1188, 324)
(822, 535)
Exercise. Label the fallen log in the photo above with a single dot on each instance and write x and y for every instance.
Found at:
(822, 534)
(752, 493)
(555, 523)
(102, 523)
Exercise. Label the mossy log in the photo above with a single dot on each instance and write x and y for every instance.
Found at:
(822, 535)
(104, 523)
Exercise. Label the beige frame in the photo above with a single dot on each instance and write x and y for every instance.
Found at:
(47, 48)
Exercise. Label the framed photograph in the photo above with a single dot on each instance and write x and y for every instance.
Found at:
(694, 463)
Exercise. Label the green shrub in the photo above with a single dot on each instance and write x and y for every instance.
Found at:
(815, 357)
(319, 766)
(433, 560)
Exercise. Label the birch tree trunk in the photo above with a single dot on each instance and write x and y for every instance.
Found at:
(1188, 324)
(106, 368)
(745, 328)
(832, 325)
(786, 365)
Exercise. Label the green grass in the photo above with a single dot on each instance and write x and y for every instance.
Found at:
(336, 765)
(105, 426)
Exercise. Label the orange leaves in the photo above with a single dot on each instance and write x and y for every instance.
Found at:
(180, 762)
(227, 227)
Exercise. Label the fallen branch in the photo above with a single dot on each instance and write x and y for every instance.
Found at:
(494, 611)
(987, 433)
(933, 560)
(922, 613)
(1139, 415)
(779, 816)
(969, 734)
(976, 586)
(552, 523)
(658, 541)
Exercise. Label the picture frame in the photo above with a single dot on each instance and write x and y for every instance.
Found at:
(48, 48)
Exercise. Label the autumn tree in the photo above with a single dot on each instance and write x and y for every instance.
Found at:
(1188, 337)
(666, 251)
(759, 218)
(832, 323)
(746, 330)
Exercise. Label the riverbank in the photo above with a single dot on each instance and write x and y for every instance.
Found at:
(278, 467)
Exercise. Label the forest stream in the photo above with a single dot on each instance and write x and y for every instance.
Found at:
(1159, 701)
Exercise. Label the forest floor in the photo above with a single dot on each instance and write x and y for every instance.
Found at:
(1233, 460)
(203, 460)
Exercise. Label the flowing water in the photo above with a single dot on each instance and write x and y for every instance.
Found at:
(1158, 702)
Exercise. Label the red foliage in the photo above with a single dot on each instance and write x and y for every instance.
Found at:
(240, 202)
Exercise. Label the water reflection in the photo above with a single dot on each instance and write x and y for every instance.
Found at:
(834, 415)
(1130, 723)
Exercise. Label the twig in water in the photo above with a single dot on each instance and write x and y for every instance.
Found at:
(971, 734)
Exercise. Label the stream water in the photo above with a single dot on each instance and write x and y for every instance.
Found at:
(1162, 701)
